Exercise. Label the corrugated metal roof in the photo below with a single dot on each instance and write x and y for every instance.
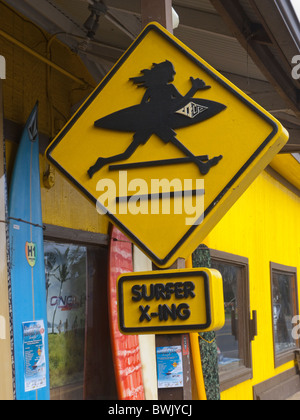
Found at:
(203, 5)
(202, 29)
(223, 53)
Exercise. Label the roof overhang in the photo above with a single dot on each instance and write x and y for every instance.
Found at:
(254, 48)
(270, 33)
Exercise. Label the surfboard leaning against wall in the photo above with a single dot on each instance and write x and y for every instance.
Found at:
(28, 269)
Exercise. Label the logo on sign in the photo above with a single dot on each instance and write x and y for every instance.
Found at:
(30, 252)
(192, 110)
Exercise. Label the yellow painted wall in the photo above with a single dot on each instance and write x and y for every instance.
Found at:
(287, 166)
(262, 226)
(64, 206)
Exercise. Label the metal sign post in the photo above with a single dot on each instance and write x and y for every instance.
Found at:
(157, 11)
(166, 302)
(163, 15)
(183, 393)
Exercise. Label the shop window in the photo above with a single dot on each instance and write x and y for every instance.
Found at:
(284, 308)
(66, 267)
(233, 340)
(80, 358)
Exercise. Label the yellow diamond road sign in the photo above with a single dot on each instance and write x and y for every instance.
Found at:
(165, 145)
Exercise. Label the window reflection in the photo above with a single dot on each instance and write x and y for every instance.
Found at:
(284, 309)
(80, 353)
(229, 339)
(66, 269)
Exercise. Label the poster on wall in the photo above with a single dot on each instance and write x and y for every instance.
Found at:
(34, 355)
(169, 367)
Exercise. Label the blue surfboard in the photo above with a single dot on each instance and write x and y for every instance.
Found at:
(29, 304)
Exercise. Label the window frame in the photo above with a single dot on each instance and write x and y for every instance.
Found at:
(98, 242)
(244, 373)
(289, 355)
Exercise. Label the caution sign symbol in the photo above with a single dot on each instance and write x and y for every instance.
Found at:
(162, 110)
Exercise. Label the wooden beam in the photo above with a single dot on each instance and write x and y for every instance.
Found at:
(132, 6)
(279, 30)
(242, 28)
(203, 21)
(74, 235)
(293, 145)
(157, 11)
(126, 22)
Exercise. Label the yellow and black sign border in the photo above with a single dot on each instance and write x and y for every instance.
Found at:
(166, 328)
(161, 262)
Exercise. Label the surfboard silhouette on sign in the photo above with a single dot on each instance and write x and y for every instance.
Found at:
(162, 110)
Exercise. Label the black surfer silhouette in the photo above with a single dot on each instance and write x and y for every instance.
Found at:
(162, 110)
